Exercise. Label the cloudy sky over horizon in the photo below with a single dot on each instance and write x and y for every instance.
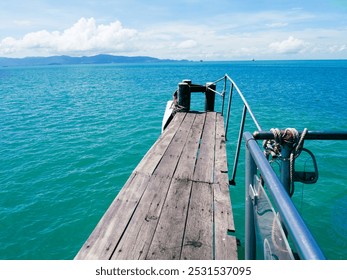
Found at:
(181, 29)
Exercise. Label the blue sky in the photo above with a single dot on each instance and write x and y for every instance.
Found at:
(181, 29)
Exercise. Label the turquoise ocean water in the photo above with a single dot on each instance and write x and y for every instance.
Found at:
(71, 135)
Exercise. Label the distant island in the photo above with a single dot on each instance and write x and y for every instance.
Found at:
(70, 60)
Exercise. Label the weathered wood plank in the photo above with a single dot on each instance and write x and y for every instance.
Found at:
(175, 202)
(230, 251)
(198, 237)
(167, 240)
(138, 237)
(152, 158)
(221, 166)
(225, 245)
(186, 165)
(107, 233)
(205, 162)
(168, 162)
(221, 173)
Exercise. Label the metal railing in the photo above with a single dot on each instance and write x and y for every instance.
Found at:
(246, 109)
(283, 219)
(303, 241)
(291, 220)
(271, 224)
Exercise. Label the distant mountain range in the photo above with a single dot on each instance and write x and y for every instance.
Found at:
(69, 60)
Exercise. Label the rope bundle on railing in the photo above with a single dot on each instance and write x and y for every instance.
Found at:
(291, 138)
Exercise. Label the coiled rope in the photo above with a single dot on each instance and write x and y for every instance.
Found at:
(273, 147)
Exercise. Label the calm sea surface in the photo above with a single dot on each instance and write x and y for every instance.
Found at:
(71, 135)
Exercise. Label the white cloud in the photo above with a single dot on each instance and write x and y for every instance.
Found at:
(85, 36)
(187, 44)
(289, 46)
(183, 40)
(337, 48)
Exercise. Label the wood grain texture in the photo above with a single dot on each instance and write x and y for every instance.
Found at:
(205, 160)
(176, 203)
(198, 236)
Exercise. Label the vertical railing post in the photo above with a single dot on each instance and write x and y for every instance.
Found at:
(238, 147)
(228, 111)
(250, 241)
(184, 96)
(223, 97)
(210, 97)
(285, 166)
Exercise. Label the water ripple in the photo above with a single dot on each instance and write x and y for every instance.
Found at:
(70, 136)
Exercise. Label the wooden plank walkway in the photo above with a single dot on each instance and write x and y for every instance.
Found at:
(176, 203)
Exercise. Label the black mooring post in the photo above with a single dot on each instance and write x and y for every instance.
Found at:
(184, 96)
(210, 97)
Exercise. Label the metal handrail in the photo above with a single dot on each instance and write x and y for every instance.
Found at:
(260, 134)
(244, 102)
(246, 108)
(292, 222)
(303, 240)
(225, 78)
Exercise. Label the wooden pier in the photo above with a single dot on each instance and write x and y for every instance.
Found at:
(176, 203)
